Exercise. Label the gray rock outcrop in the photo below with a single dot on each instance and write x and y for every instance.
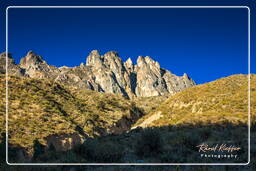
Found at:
(12, 67)
(104, 73)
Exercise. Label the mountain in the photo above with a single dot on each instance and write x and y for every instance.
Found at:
(104, 73)
(55, 116)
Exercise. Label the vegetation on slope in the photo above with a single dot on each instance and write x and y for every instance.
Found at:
(39, 108)
(223, 100)
(212, 113)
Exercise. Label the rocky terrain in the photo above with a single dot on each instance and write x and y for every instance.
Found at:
(74, 125)
(104, 73)
(112, 111)
(55, 105)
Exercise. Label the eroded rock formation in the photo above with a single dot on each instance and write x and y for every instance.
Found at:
(104, 73)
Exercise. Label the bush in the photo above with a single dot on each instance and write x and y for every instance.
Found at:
(38, 149)
(191, 140)
(2, 148)
(80, 150)
(70, 157)
(100, 151)
(149, 144)
(205, 133)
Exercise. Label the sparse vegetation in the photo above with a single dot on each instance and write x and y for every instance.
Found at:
(98, 151)
(39, 108)
(212, 113)
(219, 101)
(149, 143)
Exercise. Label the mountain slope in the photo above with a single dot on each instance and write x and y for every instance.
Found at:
(223, 100)
(39, 108)
(212, 113)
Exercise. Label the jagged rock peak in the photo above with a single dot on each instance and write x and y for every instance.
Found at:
(33, 55)
(151, 62)
(185, 75)
(129, 65)
(141, 61)
(112, 53)
(3, 55)
(93, 58)
(111, 56)
(104, 73)
(110, 60)
(147, 61)
(95, 53)
(128, 62)
(82, 64)
(31, 59)
(9, 57)
(30, 52)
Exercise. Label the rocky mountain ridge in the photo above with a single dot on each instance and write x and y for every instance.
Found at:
(103, 73)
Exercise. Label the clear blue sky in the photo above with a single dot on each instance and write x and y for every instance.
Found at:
(205, 43)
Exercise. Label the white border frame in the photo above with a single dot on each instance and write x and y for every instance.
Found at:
(165, 164)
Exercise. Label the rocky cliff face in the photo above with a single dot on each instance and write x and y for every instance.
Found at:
(12, 67)
(104, 73)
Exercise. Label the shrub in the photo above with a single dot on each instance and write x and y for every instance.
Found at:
(70, 157)
(204, 133)
(52, 148)
(38, 149)
(191, 140)
(80, 150)
(100, 151)
(149, 143)
(2, 148)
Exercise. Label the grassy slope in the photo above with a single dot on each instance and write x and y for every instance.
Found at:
(149, 104)
(223, 100)
(213, 113)
(38, 108)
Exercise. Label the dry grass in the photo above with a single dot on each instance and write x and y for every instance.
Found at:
(38, 108)
(219, 101)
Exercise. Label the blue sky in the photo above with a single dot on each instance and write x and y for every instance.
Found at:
(205, 43)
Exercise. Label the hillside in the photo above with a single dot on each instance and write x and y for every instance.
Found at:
(223, 100)
(211, 113)
(172, 127)
(39, 108)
